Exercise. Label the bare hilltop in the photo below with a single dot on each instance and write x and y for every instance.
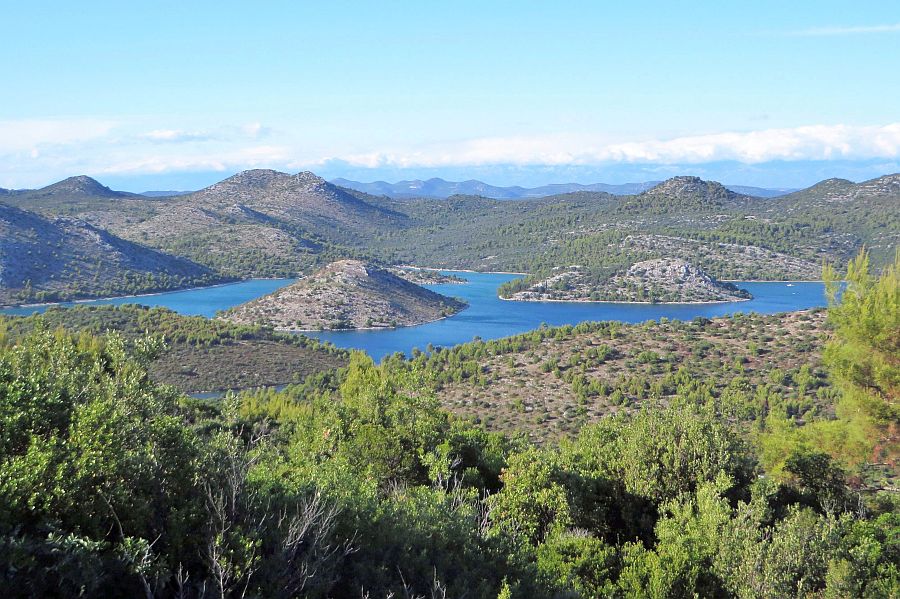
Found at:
(662, 280)
(347, 294)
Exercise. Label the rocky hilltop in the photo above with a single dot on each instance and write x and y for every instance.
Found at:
(682, 200)
(45, 259)
(348, 294)
(692, 187)
(301, 198)
(842, 190)
(668, 280)
(80, 186)
(255, 223)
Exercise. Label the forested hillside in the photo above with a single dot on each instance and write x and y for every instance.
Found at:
(197, 354)
(266, 223)
(360, 484)
(65, 258)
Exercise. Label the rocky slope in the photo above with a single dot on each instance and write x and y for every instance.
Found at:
(348, 294)
(549, 383)
(64, 258)
(667, 280)
(692, 187)
(727, 260)
(265, 223)
(255, 223)
(81, 185)
(842, 190)
(302, 199)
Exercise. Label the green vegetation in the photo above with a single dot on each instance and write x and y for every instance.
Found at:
(358, 483)
(649, 281)
(263, 223)
(863, 360)
(123, 285)
(346, 294)
(199, 354)
(551, 381)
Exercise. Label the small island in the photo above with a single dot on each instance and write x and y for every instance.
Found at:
(425, 276)
(663, 280)
(348, 294)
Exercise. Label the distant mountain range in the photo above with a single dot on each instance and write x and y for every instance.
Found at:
(432, 188)
(439, 188)
(164, 194)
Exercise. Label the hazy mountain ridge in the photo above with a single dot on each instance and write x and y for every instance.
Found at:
(440, 188)
(164, 193)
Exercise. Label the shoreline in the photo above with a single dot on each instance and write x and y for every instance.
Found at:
(237, 281)
(588, 301)
(476, 272)
(774, 281)
(399, 326)
(525, 274)
(153, 294)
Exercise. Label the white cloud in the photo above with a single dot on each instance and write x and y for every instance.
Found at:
(254, 130)
(175, 136)
(853, 30)
(218, 134)
(249, 157)
(37, 152)
(817, 142)
(28, 134)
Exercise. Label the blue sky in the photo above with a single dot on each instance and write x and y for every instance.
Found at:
(175, 95)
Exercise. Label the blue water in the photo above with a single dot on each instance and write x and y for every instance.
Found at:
(205, 301)
(487, 316)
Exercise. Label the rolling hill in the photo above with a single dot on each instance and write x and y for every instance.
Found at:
(200, 354)
(64, 258)
(348, 294)
(650, 281)
(268, 223)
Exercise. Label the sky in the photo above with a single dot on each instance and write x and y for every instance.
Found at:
(177, 95)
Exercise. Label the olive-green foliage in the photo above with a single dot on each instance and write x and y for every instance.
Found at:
(201, 353)
(356, 483)
(105, 488)
(862, 358)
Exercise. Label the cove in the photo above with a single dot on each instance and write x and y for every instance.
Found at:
(202, 301)
(489, 317)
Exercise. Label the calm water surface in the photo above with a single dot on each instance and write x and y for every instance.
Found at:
(487, 316)
(205, 301)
